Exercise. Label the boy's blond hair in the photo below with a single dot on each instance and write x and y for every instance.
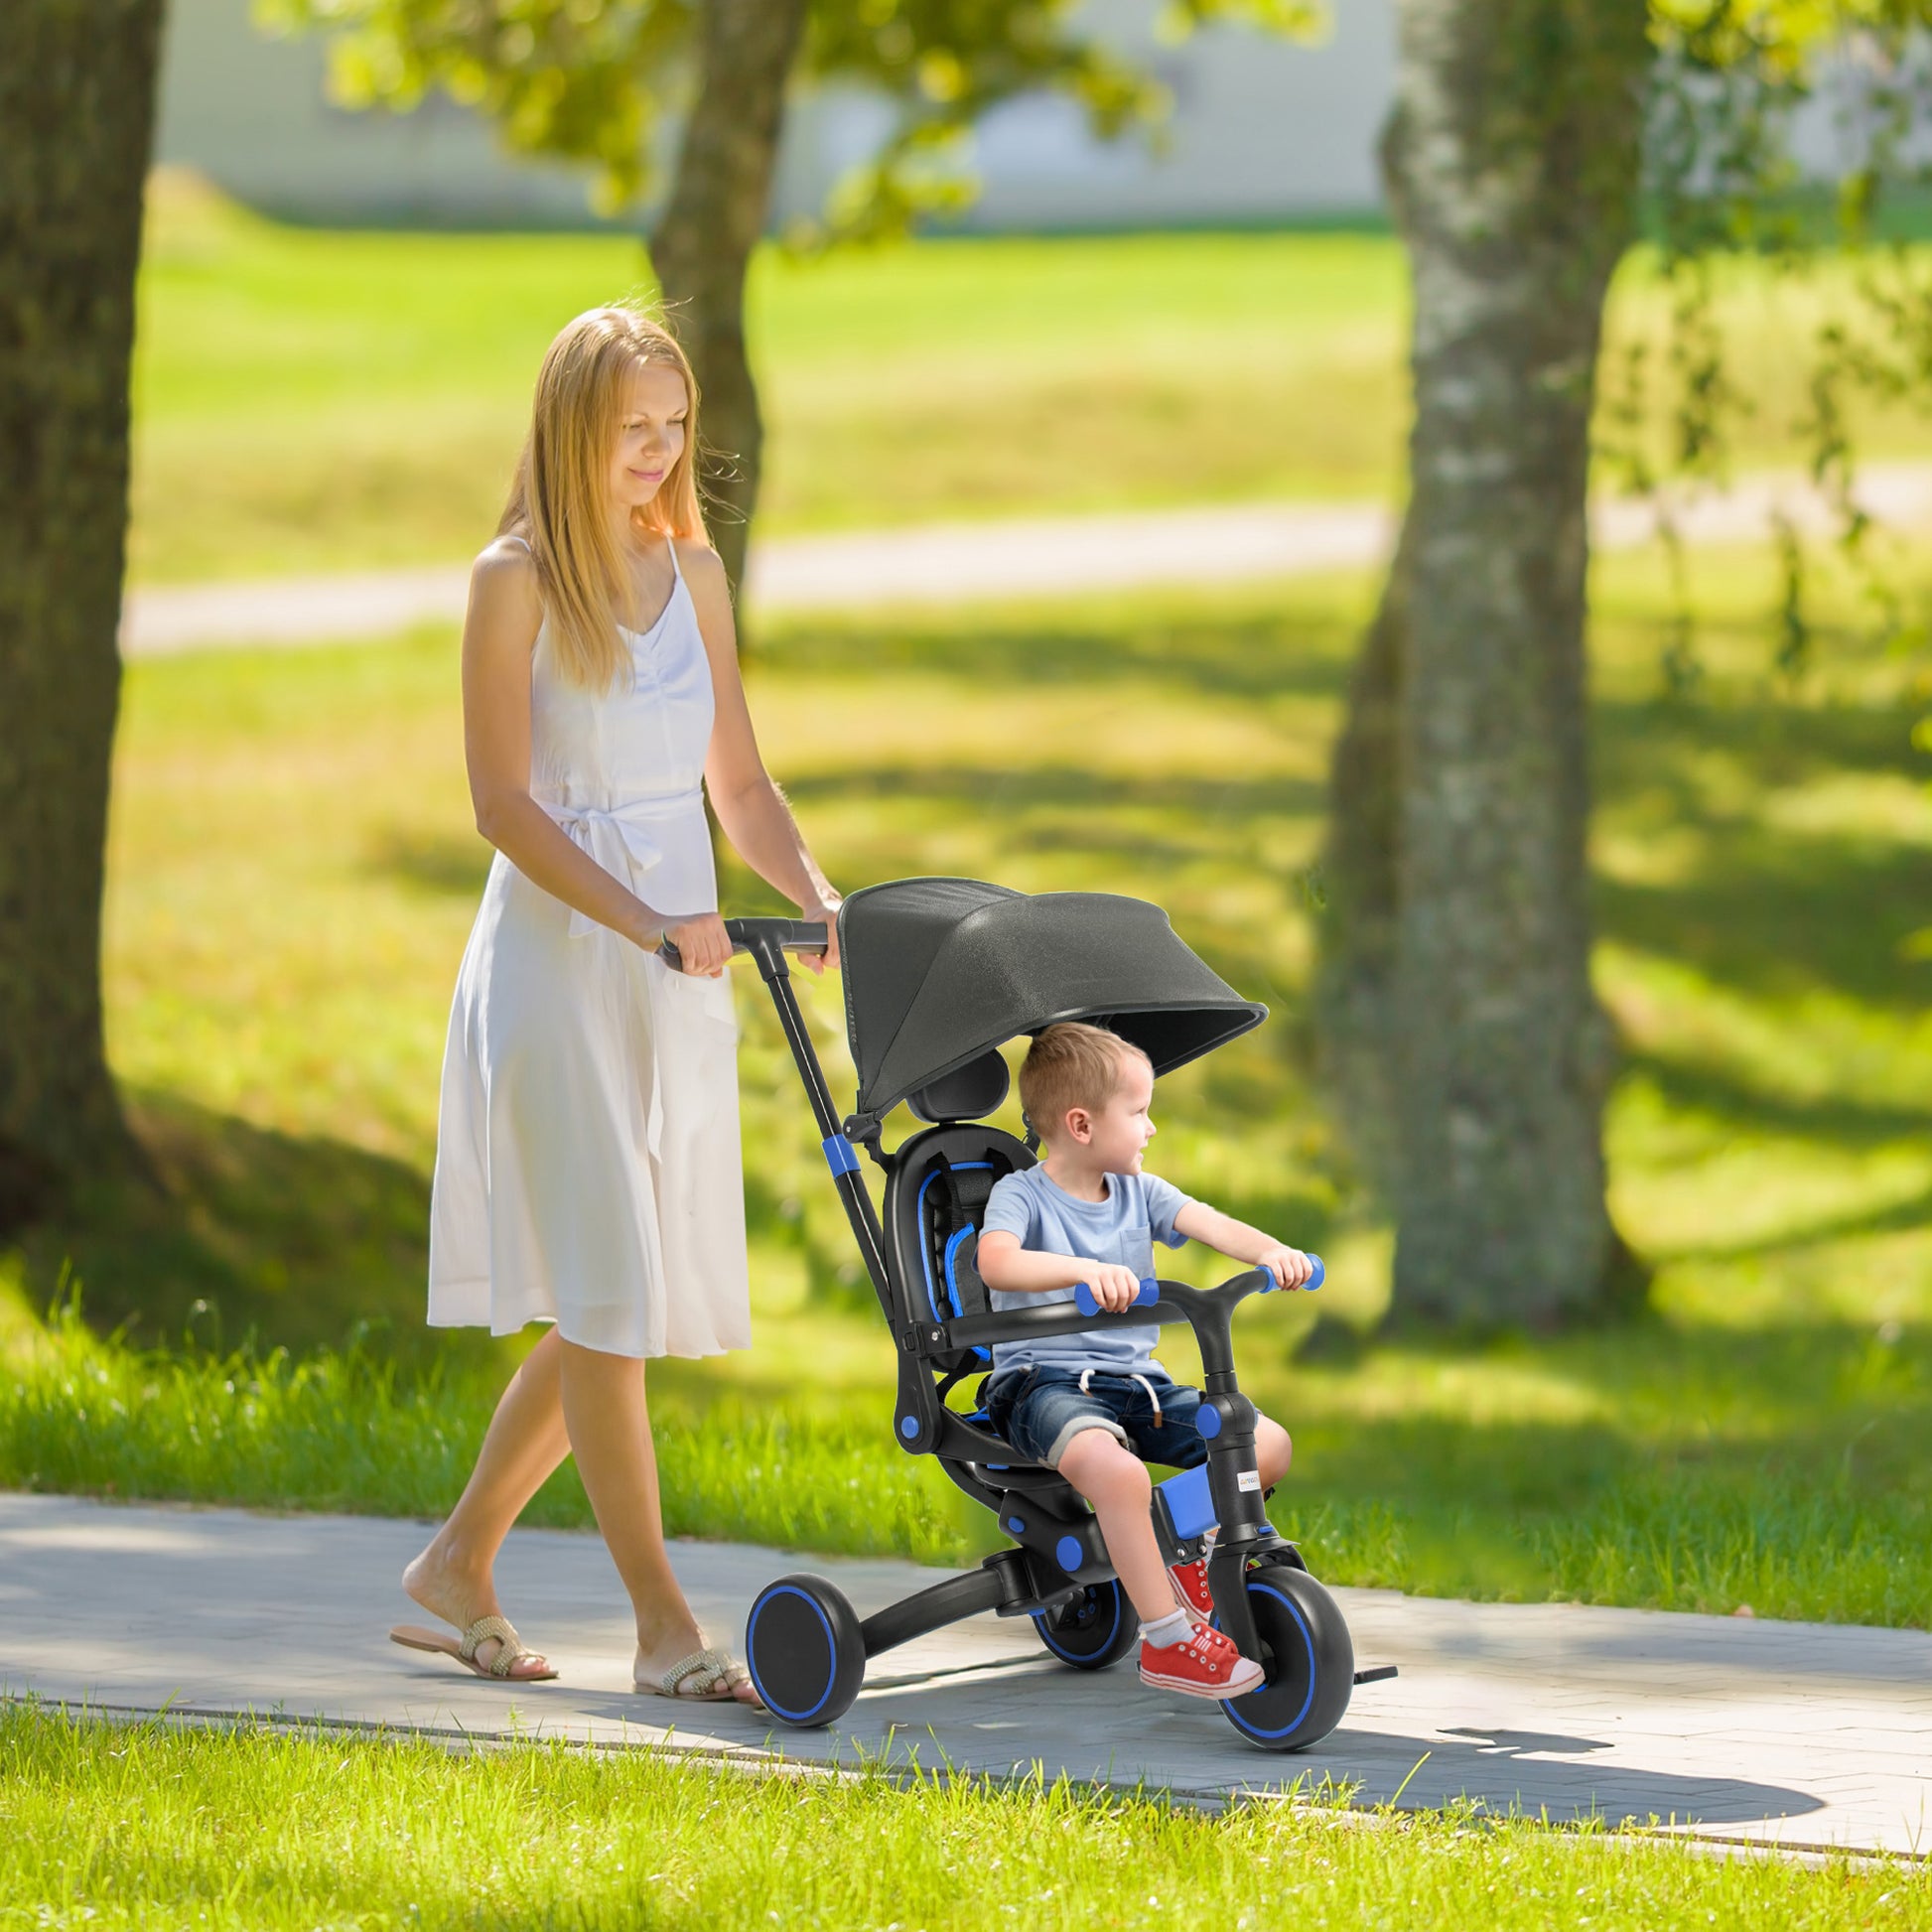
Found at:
(1070, 1065)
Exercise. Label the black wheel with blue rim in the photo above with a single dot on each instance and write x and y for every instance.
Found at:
(805, 1651)
(1308, 1657)
(1097, 1629)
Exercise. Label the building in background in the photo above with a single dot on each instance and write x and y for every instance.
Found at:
(1263, 131)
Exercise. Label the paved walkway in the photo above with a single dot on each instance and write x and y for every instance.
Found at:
(1794, 1735)
(952, 562)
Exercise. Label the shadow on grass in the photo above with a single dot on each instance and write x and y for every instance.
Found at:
(1773, 916)
(296, 1241)
(1241, 655)
(1765, 910)
(439, 866)
(1695, 1087)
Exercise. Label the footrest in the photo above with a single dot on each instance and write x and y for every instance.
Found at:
(1376, 1673)
(1188, 1502)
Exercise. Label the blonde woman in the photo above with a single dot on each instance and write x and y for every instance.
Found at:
(586, 1163)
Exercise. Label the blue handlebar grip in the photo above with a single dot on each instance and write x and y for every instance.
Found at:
(1146, 1298)
(1314, 1282)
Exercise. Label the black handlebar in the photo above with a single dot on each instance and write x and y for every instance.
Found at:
(764, 939)
(1176, 1301)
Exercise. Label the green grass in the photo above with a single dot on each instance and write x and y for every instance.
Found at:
(293, 871)
(112, 1825)
(309, 400)
(343, 1430)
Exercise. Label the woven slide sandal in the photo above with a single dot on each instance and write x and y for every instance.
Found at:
(713, 1675)
(510, 1648)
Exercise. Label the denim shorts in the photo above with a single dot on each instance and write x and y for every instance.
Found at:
(1041, 1410)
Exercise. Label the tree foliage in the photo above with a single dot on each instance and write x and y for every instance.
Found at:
(1722, 178)
(591, 83)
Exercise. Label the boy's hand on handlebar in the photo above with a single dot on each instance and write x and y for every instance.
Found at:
(1114, 1287)
(704, 947)
(1289, 1266)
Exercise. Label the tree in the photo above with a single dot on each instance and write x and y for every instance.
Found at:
(77, 108)
(1455, 990)
(592, 81)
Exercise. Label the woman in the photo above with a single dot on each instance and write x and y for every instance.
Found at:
(587, 1164)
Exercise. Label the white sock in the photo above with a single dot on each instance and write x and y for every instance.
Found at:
(1167, 1630)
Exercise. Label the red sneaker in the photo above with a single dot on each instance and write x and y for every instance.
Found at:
(1204, 1664)
(1190, 1586)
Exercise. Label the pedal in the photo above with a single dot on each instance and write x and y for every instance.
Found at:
(1376, 1673)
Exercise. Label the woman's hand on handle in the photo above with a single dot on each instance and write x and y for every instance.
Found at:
(704, 948)
(826, 909)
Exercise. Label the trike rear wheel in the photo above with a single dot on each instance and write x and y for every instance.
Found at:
(1098, 1628)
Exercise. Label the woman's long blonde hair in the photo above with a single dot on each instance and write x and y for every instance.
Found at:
(558, 501)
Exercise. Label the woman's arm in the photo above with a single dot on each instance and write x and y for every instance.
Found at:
(752, 810)
(500, 632)
(1239, 1242)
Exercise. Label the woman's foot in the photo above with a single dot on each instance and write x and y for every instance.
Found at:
(440, 1582)
(698, 1686)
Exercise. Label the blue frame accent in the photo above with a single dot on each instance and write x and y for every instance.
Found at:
(926, 1248)
(1207, 1419)
(952, 1247)
(1068, 1554)
(1307, 1638)
(909, 1427)
(960, 1237)
(831, 1653)
(1190, 1501)
(839, 1155)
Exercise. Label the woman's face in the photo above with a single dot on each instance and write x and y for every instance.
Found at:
(651, 433)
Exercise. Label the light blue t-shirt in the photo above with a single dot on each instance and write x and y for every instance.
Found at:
(1138, 1210)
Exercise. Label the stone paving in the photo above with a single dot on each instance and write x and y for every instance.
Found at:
(949, 563)
(1790, 1734)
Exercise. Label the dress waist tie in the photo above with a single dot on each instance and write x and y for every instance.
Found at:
(624, 839)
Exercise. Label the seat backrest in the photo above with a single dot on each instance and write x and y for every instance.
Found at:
(934, 1203)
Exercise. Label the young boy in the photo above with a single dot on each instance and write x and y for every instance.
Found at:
(1093, 1405)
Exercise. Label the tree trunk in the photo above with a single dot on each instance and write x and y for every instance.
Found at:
(1355, 975)
(1458, 964)
(704, 240)
(76, 110)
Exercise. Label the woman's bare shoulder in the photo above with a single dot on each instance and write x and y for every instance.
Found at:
(701, 565)
(504, 577)
(505, 599)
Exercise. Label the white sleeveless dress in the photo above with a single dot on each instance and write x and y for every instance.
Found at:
(587, 1157)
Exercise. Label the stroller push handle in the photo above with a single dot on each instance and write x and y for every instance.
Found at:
(766, 940)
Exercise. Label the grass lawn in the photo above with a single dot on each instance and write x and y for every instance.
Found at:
(293, 874)
(309, 400)
(155, 1828)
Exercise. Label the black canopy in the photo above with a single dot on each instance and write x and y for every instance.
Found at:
(938, 970)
